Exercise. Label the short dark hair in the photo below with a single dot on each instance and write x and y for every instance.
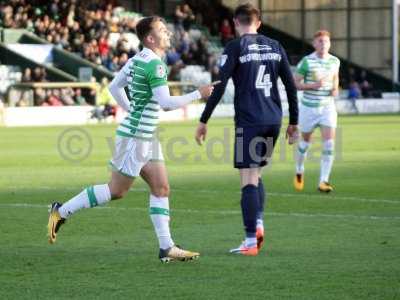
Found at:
(246, 14)
(145, 25)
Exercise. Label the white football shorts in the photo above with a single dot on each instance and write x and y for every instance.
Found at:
(312, 117)
(131, 154)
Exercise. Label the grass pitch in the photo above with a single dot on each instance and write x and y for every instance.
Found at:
(345, 245)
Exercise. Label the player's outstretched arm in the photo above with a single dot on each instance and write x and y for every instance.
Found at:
(167, 102)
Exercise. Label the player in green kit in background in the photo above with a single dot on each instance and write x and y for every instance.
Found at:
(317, 75)
(137, 153)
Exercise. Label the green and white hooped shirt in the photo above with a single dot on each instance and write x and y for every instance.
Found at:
(313, 69)
(145, 71)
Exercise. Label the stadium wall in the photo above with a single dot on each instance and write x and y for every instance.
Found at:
(362, 30)
(80, 115)
(10, 57)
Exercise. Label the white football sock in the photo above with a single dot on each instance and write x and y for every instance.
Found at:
(260, 223)
(89, 197)
(159, 214)
(250, 242)
(302, 148)
(326, 160)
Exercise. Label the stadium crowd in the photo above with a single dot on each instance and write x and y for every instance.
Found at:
(102, 32)
(99, 97)
(52, 96)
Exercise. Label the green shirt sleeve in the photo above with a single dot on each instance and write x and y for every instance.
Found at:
(302, 67)
(157, 74)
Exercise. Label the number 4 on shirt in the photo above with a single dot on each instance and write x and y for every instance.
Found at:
(263, 81)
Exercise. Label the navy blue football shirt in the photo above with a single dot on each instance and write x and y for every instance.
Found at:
(255, 62)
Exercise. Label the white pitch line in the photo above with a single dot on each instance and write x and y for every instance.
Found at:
(218, 212)
(303, 195)
(329, 197)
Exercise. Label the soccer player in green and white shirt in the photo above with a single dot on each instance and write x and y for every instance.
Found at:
(317, 75)
(137, 153)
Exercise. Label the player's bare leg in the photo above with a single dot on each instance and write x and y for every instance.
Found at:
(119, 185)
(155, 175)
(249, 176)
(92, 196)
(327, 157)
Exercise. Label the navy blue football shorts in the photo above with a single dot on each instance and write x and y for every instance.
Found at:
(254, 145)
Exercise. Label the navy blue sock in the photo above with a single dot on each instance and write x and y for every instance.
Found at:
(250, 205)
(261, 194)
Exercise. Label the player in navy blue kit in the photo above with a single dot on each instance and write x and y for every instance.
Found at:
(255, 63)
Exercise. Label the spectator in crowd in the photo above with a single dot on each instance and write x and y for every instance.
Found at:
(365, 85)
(91, 94)
(226, 32)
(173, 56)
(184, 47)
(114, 65)
(53, 98)
(188, 17)
(179, 17)
(67, 96)
(24, 100)
(39, 97)
(104, 47)
(194, 55)
(78, 98)
(175, 62)
(354, 94)
(27, 76)
(122, 60)
(39, 74)
(106, 61)
(105, 103)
